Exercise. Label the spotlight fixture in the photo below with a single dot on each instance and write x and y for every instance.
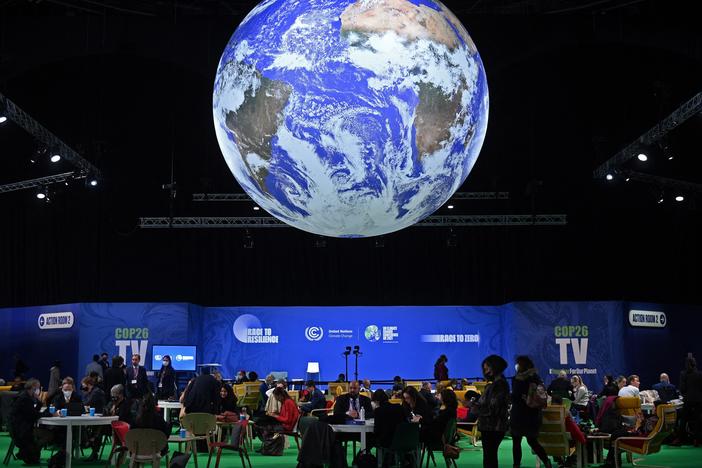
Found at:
(642, 157)
(609, 177)
(55, 158)
(627, 179)
(451, 240)
(93, 182)
(679, 198)
(248, 240)
(661, 199)
(256, 208)
(3, 119)
(43, 194)
(450, 207)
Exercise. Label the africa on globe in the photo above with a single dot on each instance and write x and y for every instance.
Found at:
(350, 118)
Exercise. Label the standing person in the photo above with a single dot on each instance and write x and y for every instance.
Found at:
(492, 408)
(202, 394)
(137, 383)
(114, 375)
(24, 414)
(94, 366)
(104, 357)
(166, 380)
(691, 389)
(524, 420)
(54, 379)
(440, 369)
(263, 390)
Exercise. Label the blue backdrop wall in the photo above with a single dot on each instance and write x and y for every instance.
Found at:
(587, 338)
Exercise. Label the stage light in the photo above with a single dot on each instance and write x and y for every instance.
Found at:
(41, 195)
(609, 177)
(642, 157)
(3, 119)
(627, 179)
(256, 208)
(93, 182)
(679, 198)
(670, 158)
(661, 199)
(55, 158)
(450, 207)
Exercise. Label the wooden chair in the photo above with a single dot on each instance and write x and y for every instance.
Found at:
(145, 446)
(470, 430)
(203, 426)
(295, 395)
(630, 407)
(338, 388)
(240, 447)
(553, 436)
(251, 397)
(651, 443)
(329, 410)
(395, 401)
(294, 433)
(119, 442)
(414, 383)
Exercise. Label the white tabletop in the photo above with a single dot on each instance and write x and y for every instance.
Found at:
(84, 420)
(169, 404)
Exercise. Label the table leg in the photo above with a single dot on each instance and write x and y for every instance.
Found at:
(166, 414)
(363, 440)
(579, 449)
(69, 445)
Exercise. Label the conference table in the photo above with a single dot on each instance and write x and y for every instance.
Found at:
(69, 422)
(167, 407)
(362, 429)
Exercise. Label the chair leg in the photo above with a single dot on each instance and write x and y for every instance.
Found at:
(209, 458)
(297, 442)
(219, 455)
(431, 455)
(10, 453)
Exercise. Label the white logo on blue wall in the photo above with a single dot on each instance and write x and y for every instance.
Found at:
(42, 321)
(242, 325)
(372, 333)
(314, 333)
(179, 357)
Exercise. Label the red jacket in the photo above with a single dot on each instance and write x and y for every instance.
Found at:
(289, 414)
(575, 433)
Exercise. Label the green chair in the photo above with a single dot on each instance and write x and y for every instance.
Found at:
(405, 442)
(448, 437)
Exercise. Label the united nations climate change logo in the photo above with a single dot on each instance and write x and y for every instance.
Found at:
(372, 333)
(314, 333)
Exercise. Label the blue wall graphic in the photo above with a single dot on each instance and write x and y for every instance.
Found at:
(589, 338)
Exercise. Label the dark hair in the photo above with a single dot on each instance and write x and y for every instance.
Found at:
(56, 363)
(413, 394)
(280, 392)
(310, 383)
(147, 412)
(609, 380)
(690, 363)
(397, 378)
(448, 398)
(380, 396)
(525, 362)
(631, 378)
(96, 357)
(496, 363)
(556, 400)
(441, 359)
(167, 369)
(253, 376)
(117, 361)
(471, 394)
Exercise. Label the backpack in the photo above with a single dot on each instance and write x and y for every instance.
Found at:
(364, 459)
(536, 397)
(273, 445)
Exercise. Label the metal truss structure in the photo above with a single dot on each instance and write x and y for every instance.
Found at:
(242, 197)
(248, 222)
(680, 115)
(42, 181)
(663, 182)
(13, 112)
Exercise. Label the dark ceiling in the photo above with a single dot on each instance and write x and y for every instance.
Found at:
(128, 85)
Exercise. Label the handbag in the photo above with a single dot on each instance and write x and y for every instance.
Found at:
(451, 452)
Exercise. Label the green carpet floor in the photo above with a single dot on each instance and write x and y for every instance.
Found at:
(675, 457)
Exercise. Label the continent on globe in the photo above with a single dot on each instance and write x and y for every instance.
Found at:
(350, 118)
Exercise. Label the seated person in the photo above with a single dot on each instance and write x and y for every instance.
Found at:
(341, 378)
(119, 406)
(419, 410)
(387, 417)
(350, 404)
(93, 396)
(580, 395)
(576, 435)
(24, 414)
(148, 417)
(666, 390)
(366, 388)
(560, 386)
(263, 390)
(316, 399)
(67, 395)
(632, 388)
(471, 412)
(432, 401)
(446, 414)
(610, 387)
(282, 421)
(228, 401)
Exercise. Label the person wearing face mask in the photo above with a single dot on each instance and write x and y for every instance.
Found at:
(93, 395)
(524, 420)
(24, 414)
(492, 409)
(137, 383)
(66, 396)
(119, 406)
(166, 387)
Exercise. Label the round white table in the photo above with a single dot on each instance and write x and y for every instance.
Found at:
(69, 422)
(167, 407)
(362, 429)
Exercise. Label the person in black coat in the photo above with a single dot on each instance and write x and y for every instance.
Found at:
(119, 405)
(691, 390)
(114, 375)
(202, 394)
(560, 386)
(166, 387)
(227, 400)
(443, 419)
(350, 403)
(24, 414)
(610, 387)
(137, 382)
(387, 417)
(524, 420)
(66, 395)
(419, 410)
(94, 397)
(492, 408)
(148, 417)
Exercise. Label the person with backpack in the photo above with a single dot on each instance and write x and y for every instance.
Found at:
(492, 408)
(528, 397)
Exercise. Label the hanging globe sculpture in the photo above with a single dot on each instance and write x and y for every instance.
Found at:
(350, 118)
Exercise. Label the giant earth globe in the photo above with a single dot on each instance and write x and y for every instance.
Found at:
(350, 118)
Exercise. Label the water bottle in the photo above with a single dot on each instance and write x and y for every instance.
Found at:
(362, 414)
(242, 416)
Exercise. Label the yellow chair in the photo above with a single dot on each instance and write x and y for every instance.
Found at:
(470, 430)
(652, 442)
(460, 394)
(239, 390)
(395, 401)
(480, 386)
(338, 388)
(631, 408)
(414, 383)
(251, 397)
(553, 436)
(295, 395)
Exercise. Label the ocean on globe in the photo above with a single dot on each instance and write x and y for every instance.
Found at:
(350, 118)
(372, 333)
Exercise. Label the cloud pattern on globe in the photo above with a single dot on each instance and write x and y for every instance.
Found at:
(350, 118)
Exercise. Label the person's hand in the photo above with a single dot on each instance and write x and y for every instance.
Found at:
(416, 418)
(352, 414)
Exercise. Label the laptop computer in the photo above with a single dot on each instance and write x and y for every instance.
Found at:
(75, 408)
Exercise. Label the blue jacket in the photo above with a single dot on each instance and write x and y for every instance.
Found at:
(317, 401)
